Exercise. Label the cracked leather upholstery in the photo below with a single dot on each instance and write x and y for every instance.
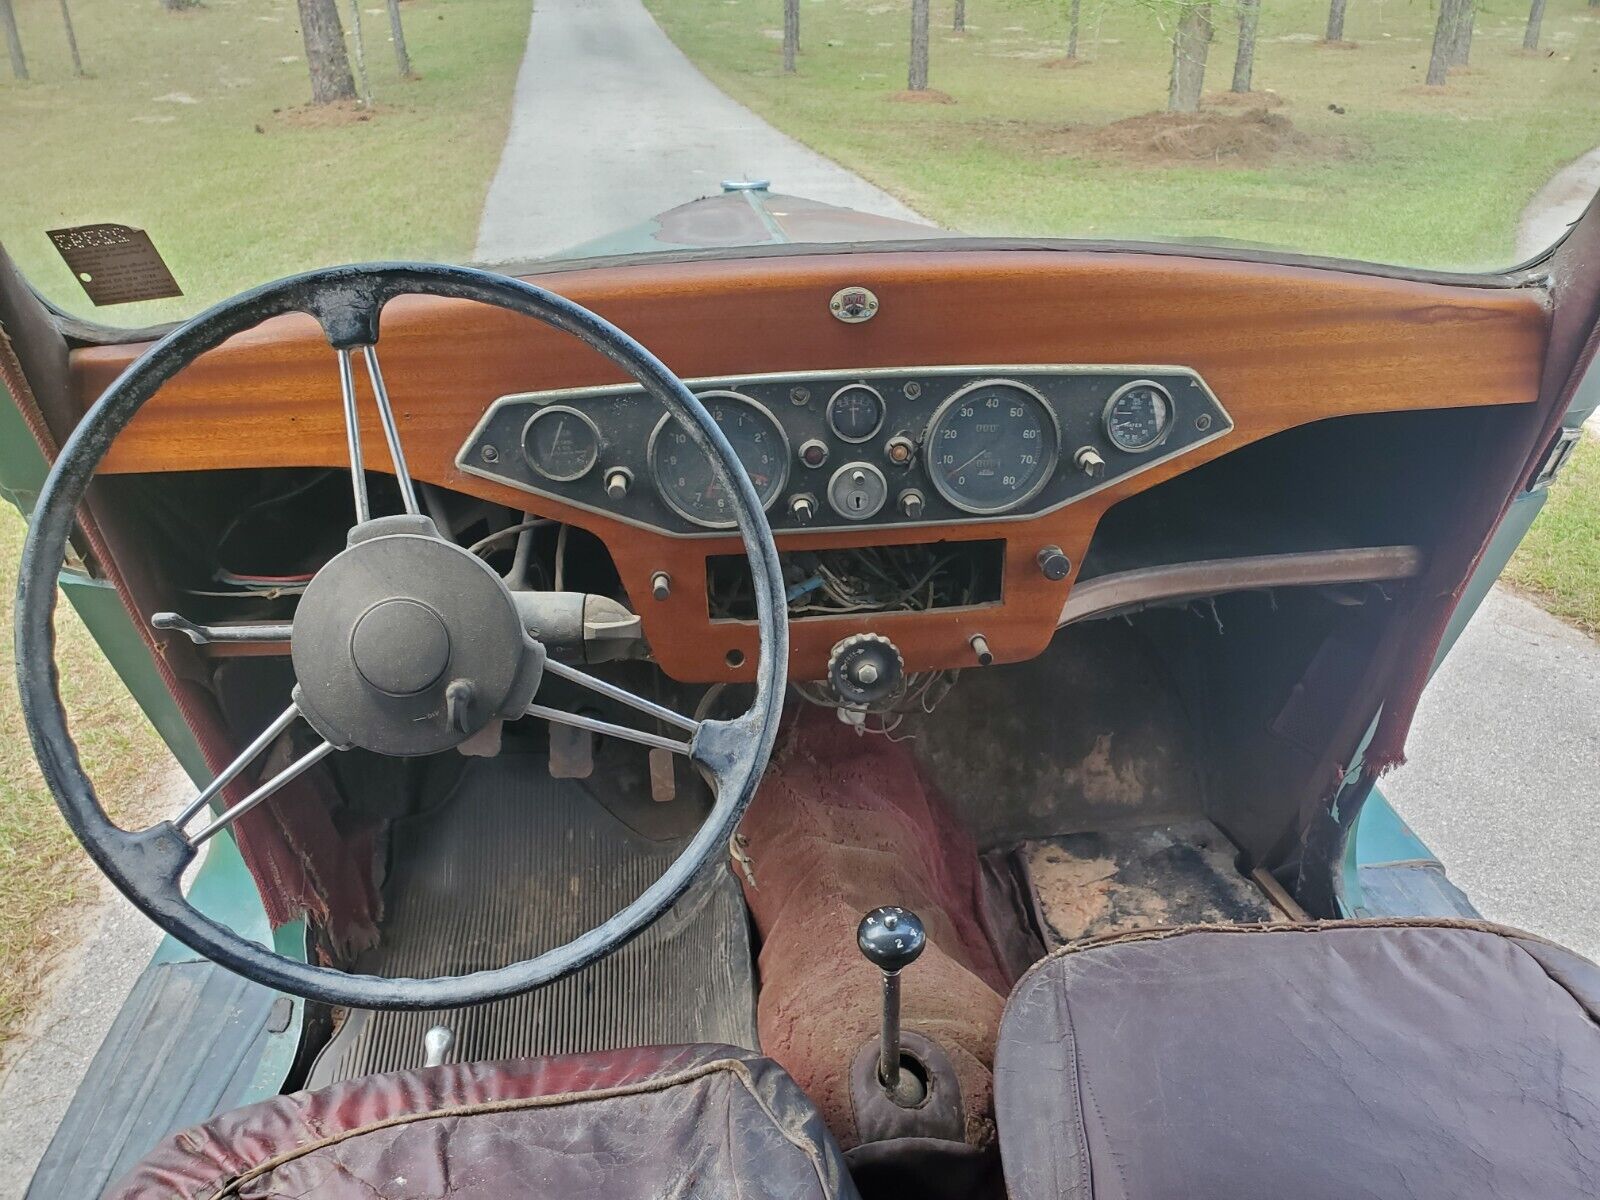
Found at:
(694, 1121)
(1339, 1061)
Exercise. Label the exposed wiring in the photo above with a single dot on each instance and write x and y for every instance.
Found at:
(499, 535)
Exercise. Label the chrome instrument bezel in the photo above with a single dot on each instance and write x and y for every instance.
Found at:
(1172, 415)
(937, 479)
(883, 413)
(568, 410)
(667, 497)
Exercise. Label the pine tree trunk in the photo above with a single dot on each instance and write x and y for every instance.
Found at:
(1073, 11)
(1335, 22)
(72, 39)
(1191, 42)
(326, 59)
(791, 35)
(917, 76)
(959, 21)
(8, 18)
(1461, 38)
(1530, 39)
(1443, 33)
(361, 52)
(1244, 62)
(397, 34)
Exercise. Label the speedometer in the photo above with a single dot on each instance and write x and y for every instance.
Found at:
(683, 473)
(991, 446)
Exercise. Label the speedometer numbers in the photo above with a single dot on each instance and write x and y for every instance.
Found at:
(1138, 416)
(683, 473)
(991, 446)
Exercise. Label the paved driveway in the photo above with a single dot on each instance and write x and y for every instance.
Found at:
(612, 124)
(1503, 777)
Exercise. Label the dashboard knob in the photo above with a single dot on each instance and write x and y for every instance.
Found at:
(1090, 462)
(865, 669)
(1054, 564)
(803, 507)
(911, 503)
(618, 481)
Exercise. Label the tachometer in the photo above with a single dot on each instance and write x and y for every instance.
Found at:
(991, 446)
(1138, 416)
(683, 474)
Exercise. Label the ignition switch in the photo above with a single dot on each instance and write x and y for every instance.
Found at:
(857, 491)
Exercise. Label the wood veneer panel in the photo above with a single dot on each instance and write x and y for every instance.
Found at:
(1280, 346)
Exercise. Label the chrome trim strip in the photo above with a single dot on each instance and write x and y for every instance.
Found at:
(1109, 594)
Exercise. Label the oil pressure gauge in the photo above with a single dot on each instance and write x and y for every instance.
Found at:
(560, 443)
(1138, 416)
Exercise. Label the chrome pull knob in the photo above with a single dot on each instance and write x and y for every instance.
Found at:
(436, 1045)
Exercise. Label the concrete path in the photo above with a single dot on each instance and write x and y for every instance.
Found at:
(611, 125)
(1503, 777)
(1558, 204)
(44, 1064)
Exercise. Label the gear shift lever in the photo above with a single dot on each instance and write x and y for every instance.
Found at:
(891, 938)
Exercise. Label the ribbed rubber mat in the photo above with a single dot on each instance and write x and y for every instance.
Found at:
(516, 862)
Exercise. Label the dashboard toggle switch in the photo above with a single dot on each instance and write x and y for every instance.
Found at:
(1089, 462)
(803, 507)
(911, 503)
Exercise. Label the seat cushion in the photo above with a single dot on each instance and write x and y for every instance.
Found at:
(702, 1121)
(1333, 1061)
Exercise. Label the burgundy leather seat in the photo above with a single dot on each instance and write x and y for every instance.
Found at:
(1342, 1061)
(701, 1121)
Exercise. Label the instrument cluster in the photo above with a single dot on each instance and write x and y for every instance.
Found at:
(836, 450)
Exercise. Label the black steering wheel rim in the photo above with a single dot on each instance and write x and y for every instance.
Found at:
(147, 866)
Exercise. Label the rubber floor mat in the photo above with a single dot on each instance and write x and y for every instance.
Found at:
(516, 862)
(1085, 885)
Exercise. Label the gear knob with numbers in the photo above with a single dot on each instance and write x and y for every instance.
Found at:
(891, 938)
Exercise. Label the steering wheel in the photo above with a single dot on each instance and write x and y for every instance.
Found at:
(403, 643)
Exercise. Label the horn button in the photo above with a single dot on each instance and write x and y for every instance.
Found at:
(406, 644)
(400, 646)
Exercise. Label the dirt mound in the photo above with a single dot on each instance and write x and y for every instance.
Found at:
(1065, 63)
(1327, 45)
(925, 96)
(327, 116)
(1226, 139)
(1262, 99)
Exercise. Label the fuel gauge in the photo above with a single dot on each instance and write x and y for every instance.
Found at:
(561, 443)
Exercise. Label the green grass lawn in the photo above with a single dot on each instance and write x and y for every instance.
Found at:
(1398, 176)
(44, 874)
(185, 129)
(1559, 561)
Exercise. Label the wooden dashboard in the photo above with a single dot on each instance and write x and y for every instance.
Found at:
(1279, 346)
